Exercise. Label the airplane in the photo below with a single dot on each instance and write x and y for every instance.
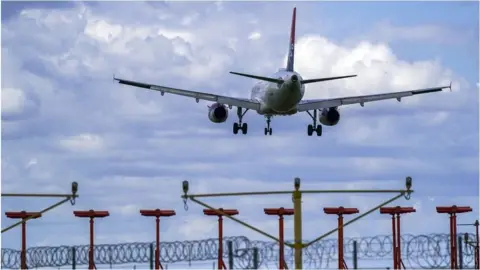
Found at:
(280, 94)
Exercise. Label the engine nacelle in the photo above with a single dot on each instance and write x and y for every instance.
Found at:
(330, 117)
(218, 113)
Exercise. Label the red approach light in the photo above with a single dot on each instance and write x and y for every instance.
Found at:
(453, 209)
(340, 210)
(91, 214)
(157, 213)
(278, 211)
(226, 212)
(23, 214)
(397, 210)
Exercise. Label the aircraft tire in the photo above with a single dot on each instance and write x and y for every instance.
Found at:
(309, 130)
(265, 131)
(319, 130)
(235, 128)
(244, 128)
(270, 131)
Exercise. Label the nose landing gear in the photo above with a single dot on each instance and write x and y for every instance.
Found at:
(268, 129)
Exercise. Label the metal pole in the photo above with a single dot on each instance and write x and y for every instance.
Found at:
(91, 264)
(454, 238)
(297, 227)
(460, 252)
(220, 242)
(355, 258)
(255, 258)
(230, 254)
(157, 250)
(74, 258)
(281, 244)
(477, 248)
(24, 245)
(340, 242)
(151, 259)
(399, 247)
(394, 248)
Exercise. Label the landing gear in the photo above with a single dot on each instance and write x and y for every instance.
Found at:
(268, 129)
(240, 125)
(311, 128)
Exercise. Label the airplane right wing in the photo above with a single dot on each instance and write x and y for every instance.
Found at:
(318, 104)
(230, 101)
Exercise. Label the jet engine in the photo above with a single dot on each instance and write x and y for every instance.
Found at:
(330, 116)
(217, 113)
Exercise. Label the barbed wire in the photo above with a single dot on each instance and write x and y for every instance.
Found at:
(418, 251)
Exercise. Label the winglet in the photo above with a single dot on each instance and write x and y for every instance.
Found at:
(450, 86)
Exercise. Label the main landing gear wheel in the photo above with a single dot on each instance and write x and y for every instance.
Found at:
(240, 125)
(311, 128)
(268, 129)
(317, 130)
(237, 127)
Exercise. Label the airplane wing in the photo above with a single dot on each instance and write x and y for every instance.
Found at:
(231, 101)
(316, 104)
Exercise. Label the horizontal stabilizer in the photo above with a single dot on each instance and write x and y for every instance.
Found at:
(273, 80)
(326, 79)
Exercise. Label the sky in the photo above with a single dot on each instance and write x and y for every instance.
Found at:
(64, 119)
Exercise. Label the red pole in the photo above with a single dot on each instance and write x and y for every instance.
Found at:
(228, 212)
(23, 215)
(281, 243)
(454, 240)
(477, 248)
(280, 212)
(91, 214)
(157, 250)
(340, 211)
(394, 248)
(220, 242)
(340, 241)
(399, 243)
(452, 211)
(395, 212)
(157, 213)
(91, 264)
(23, 259)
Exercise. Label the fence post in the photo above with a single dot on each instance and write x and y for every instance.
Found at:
(151, 255)
(460, 253)
(74, 258)
(255, 258)
(355, 258)
(230, 254)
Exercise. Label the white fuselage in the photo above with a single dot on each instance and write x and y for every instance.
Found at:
(278, 99)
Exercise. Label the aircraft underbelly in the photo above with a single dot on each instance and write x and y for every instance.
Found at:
(283, 100)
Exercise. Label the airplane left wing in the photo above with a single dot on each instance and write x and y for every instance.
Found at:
(317, 104)
(230, 101)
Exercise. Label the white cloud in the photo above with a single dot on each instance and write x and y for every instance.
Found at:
(255, 35)
(13, 100)
(83, 143)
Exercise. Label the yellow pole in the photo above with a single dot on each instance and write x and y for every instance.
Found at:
(297, 224)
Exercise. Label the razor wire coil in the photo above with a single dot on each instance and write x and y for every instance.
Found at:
(418, 251)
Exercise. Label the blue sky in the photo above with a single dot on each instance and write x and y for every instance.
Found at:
(64, 120)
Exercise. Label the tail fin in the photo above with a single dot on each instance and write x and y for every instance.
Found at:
(291, 51)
